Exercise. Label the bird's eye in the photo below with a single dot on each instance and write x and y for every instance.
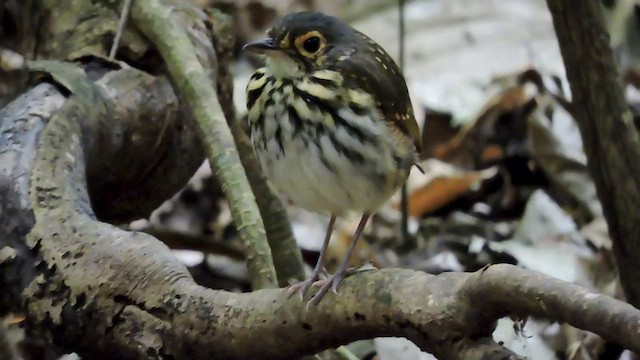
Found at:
(312, 44)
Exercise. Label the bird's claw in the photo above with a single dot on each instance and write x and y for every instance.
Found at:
(300, 288)
(333, 282)
(303, 286)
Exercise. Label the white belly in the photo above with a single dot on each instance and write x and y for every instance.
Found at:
(301, 175)
(319, 178)
(331, 161)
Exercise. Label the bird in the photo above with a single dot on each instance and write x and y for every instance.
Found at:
(332, 125)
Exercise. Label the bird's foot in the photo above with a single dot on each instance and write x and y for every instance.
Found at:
(333, 282)
(317, 278)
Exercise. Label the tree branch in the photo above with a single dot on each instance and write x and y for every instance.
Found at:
(284, 249)
(606, 124)
(531, 294)
(195, 85)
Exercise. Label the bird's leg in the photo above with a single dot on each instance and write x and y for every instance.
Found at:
(303, 286)
(333, 282)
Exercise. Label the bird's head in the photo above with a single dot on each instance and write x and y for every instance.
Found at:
(304, 42)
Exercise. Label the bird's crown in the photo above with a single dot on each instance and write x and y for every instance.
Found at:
(312, 38)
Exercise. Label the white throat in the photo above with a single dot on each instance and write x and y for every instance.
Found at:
(282, 66)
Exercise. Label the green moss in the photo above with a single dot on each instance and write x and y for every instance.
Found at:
(384, 298)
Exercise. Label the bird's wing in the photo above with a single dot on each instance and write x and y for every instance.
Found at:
(377, 74)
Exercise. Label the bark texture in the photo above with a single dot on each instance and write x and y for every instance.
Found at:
(608, 132)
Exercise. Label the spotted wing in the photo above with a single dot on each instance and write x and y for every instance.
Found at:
(375, 72)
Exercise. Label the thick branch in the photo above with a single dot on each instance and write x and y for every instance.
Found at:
(606, 124)
(160, 24)
(530, 294)
(17, 151)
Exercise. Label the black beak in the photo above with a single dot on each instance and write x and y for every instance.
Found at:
(261, 46)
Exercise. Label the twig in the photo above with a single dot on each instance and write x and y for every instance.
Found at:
(121, 24)
(404, 194)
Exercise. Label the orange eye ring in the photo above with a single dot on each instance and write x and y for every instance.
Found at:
(311, 44)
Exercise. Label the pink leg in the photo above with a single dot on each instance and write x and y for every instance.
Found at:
(334, 281)
(303, 286)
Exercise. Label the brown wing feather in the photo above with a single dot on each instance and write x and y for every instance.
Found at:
(374, 71)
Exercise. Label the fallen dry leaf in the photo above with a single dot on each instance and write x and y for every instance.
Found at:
(437, 133)
(13, 319)
(441, 191)
(498, 130)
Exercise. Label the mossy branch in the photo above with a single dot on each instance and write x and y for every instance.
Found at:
(160, 23)
(284, 249)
